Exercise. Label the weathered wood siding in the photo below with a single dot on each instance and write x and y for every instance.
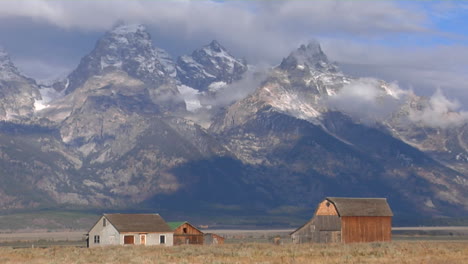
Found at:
(187, 234)
(366, 228)
(320, 229)
(326, 208)
(213, 239)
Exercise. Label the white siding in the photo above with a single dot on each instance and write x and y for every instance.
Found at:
(152, 239)
(108, 235)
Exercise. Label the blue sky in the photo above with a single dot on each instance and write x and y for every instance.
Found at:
(422, 45)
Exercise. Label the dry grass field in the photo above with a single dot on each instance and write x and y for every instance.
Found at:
(394, 252)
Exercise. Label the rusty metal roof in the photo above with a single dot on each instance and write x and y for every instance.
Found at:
(361, 206)
(138, 223)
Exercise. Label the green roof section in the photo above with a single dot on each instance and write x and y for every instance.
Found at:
(175, 225)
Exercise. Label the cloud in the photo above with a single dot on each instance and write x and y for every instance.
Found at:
(440, 112)
(371, 101)
(43, 72)
(369, 38)
(368, 100)
(342, 16)
(237, 90)
(421, 68)
(252, 24)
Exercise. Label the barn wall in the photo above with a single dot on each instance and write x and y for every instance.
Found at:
(366, 228)
(326, 208)
(190, 236)
(304, 234)
(321, 229)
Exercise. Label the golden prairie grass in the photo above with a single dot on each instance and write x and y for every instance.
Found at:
(394, 252)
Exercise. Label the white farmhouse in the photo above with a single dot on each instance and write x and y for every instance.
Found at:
(130, 229)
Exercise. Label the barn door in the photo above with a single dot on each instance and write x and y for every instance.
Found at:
(143, 239)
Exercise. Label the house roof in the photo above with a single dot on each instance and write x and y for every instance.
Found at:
(175, 225)
(361, 206)
(138, 222)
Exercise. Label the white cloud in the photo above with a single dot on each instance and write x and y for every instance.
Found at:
(424, 69)
(252, 24)
(354, 32)
(368, 100)
(43, 72)
(440, 112)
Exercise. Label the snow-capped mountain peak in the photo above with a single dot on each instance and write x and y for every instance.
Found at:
(18, 93)
(210, 64)
(127, 36)
(214, 45)
(7, 68)
(127, 48)
(311, 56)
(128, 29)
(3, 55)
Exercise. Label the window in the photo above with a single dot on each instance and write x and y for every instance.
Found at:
(184, 230)
(162, 239)
(96, 239)
(104, 222)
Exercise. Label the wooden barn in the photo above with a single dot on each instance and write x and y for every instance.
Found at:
(185, 233)
(347, 220)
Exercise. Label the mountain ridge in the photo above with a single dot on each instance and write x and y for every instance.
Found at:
(122, 134)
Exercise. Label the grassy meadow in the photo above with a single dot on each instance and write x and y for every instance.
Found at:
(395, 252)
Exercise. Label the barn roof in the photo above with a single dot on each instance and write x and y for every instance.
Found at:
(361, 206)
(175, 225)
(138, 222)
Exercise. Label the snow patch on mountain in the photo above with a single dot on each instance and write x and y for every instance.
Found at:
(216, 86)
(191, 97)
(290, 103)
(48, 95)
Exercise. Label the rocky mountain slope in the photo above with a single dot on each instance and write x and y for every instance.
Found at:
(17, 92)
(209, 68)
(124, 131)
(342, 150)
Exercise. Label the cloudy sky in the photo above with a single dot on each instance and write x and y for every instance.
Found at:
(422, 45)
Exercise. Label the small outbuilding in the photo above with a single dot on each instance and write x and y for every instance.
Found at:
(213, 239)
(185, 233)
(130, 229)
(347, 220)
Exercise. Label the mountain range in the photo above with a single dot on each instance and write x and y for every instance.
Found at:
(131, 127)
